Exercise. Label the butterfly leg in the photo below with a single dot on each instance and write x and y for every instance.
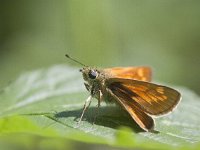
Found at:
(100, 99)
(98, 105)
(87, 86)
(86, 105)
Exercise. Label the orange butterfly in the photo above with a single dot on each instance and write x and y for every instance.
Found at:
(130, 88)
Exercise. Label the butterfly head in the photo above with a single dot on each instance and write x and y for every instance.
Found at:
(93, 79)
(89, 74)
(92, 76)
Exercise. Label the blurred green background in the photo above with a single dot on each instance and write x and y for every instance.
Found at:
(104, 33)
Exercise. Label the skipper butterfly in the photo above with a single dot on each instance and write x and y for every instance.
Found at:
(131, 88)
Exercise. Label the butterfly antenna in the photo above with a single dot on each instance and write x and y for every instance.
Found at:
(75, 60)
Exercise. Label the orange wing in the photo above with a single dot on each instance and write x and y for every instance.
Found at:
(151, 98)
(136, 73)
(141, 118)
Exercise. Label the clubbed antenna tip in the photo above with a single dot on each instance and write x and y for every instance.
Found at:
(74, 60)
(67, 55)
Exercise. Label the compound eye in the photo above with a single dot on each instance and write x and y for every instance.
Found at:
(92, 74)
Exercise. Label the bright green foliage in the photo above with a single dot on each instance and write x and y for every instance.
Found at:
(44, 105)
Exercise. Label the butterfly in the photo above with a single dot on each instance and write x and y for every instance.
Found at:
(130, 88)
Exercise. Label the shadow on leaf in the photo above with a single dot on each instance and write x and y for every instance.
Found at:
(109, 116)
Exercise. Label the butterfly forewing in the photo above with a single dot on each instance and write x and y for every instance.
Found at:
(141, 118)
(136, 73)
(151, 98)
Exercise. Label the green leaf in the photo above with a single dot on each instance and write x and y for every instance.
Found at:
(47, 103)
